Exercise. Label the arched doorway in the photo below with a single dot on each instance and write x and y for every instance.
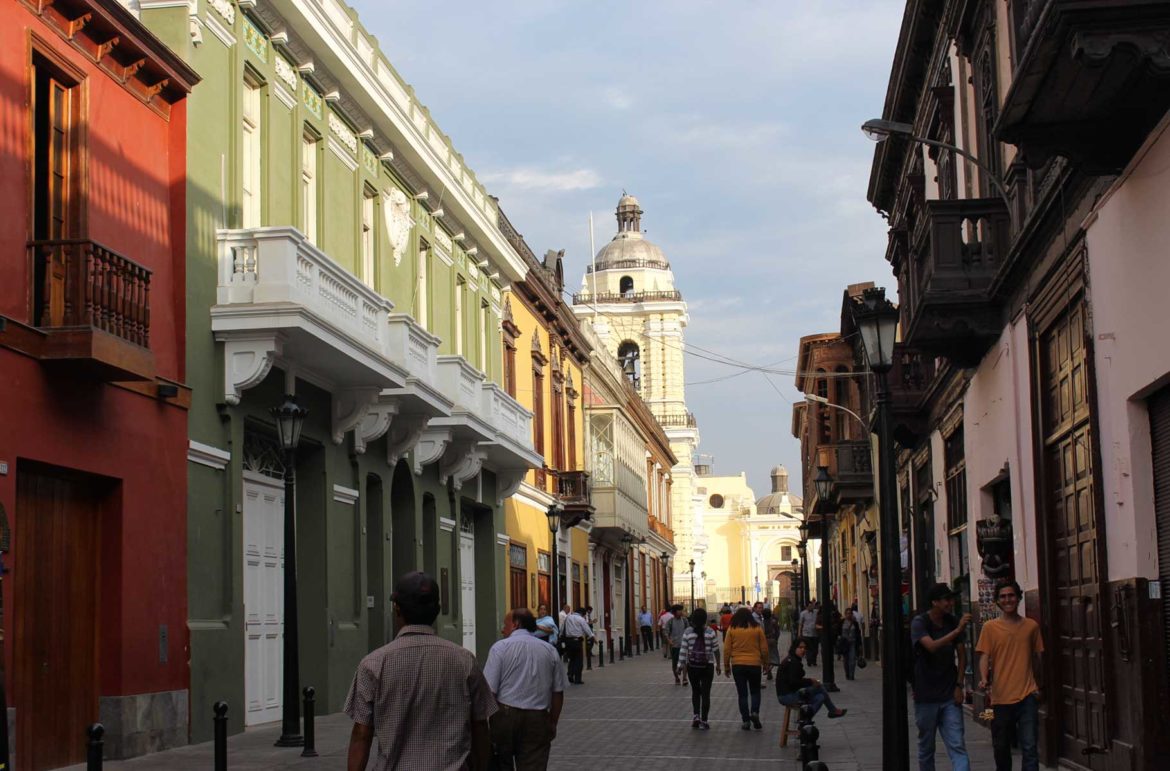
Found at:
(377, 602)
(404, 557)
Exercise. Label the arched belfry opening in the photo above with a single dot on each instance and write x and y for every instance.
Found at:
(630, 358)
(626, 286)
(629, 214)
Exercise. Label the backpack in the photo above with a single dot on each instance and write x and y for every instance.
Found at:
(697, 656)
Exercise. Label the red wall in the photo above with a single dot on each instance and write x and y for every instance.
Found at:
(134, 183)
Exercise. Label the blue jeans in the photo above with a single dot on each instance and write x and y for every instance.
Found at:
(851, 661)
(815, 696)
(747, 682)
(947, 718)
(1024, 716)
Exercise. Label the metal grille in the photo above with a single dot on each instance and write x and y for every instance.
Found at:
(1160, 439)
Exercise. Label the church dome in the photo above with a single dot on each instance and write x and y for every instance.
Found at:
(630, 243)
(780, 500)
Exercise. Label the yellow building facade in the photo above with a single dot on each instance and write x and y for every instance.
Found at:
(544, 356)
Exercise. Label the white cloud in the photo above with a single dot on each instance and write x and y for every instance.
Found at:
(534, 179)
(617, 98)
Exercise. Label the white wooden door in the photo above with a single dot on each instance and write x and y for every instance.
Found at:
(467, 588)
(263, 597)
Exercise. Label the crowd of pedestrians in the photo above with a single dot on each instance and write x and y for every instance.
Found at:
(452, 714)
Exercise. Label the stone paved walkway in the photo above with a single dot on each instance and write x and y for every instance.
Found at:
(629, 714)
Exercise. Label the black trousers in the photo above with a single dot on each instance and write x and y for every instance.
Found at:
(701, 679)
(747, 687)
(647, 638)
(574, 648)
(521, 739)
(811, 643)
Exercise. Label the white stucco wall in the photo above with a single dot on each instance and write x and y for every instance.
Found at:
(1128, 237)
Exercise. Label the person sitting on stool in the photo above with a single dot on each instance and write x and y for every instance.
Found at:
(793, 689)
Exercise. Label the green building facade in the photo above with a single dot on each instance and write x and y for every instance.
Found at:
(338, 249)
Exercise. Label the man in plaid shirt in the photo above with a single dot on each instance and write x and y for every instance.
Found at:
(425, 698)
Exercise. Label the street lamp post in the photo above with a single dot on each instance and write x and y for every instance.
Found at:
(628, 542)
(824, 485)
(692, 565)
(796, 589)
(665, 580)
(877, 321)
(554, 524)
(290, 418)
(805, 572)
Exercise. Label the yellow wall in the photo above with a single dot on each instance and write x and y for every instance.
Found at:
(526, 524)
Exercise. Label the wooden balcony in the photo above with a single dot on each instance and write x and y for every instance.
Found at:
(851, 470)
(956, 248)
(573, 494)
(1093, 79)
(91, 311)
(909, 381)
(660, 529)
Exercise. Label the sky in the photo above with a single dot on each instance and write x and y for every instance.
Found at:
(735, 123)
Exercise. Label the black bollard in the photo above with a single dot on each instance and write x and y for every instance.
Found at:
(310, 750)
(809, 749)
(93, 747)
(588, 655)
(637, 645)
(219, 723)
(611, 652)
(621, 649)
(600, 652)
(818, 765)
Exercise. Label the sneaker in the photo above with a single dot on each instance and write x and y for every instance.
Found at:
(838, 713)
(756, 724)
(695, 722)
(747, 725)
(704, 725)
(676, 680)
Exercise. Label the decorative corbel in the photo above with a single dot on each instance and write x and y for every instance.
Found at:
(247, 361)
(461, 462)
(350, 406)
(403, 436)
(508, 481)
(431, 445)
(376, 423)
(78, 24)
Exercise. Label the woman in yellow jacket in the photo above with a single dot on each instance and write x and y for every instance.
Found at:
(745, 657)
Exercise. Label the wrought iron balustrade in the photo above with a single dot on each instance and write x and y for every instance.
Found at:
(622, 264)
(587, 298)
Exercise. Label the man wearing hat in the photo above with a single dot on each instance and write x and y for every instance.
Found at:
(939, 657)
(425, 698)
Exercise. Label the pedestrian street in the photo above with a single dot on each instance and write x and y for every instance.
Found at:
(630, 713)
(633, 713)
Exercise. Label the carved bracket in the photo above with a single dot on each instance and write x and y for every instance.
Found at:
(247, 361)
(432, 443)
(350, 406)
(376, 423)
(403, 436)
(508, 481)
(462, 461)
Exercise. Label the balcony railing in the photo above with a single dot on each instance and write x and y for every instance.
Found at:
(909, 379)
(677, 420)
(851, 468)
(573, 487)
(587, 298)
(624, 264)
(89, 285)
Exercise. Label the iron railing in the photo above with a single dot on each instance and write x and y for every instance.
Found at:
(587, 298)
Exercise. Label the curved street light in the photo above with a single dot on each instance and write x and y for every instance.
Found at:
(880, 130)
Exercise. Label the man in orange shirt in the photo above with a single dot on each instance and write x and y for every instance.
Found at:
(1011, 646)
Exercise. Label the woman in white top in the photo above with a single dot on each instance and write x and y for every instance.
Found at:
(700, 650)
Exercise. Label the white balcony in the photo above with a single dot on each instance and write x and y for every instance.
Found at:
(279, 297)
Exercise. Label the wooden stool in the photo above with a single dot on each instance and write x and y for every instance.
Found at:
(784, 729)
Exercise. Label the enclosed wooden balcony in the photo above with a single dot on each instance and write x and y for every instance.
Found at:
(909, 380)
(956, 248)
(573, 494)
(1093, 79)
(851, 470)
(91, 310)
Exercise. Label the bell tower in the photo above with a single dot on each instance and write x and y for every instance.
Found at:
(629, 297)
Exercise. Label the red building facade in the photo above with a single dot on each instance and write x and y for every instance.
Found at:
(93, 421)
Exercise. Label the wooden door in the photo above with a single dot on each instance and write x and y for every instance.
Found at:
(263, 598)
(56, 620)
(1074, 640)
(517, 588)
(543, 585)
(1159, 406)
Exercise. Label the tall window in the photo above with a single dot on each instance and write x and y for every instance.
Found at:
(369, 251)
(538, 410)
(420, 284)
(460, 290)
(485, 321)
(309, 147)
(54, 158)
(572, 426)
(956, 485)
(251, 154)
(786, 553)
(824, 431)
